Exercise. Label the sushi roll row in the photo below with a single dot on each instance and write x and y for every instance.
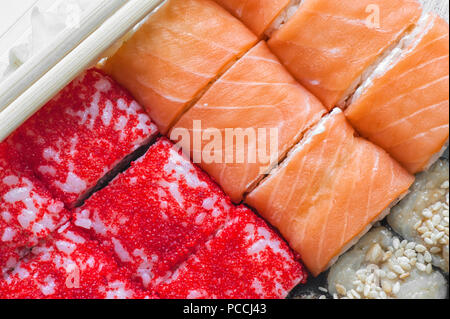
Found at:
(89, 185)
(385, 62)
(317, 153)
(70, 230)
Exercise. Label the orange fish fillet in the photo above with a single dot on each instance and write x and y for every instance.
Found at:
(258, 15)
(257, 94)
(176, 53)
(327, 45)
(406, 109)
(329, 191)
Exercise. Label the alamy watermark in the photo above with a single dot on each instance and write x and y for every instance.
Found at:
(229, 145)
(373, 21)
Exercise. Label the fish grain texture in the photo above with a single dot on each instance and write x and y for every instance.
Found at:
(441, 7)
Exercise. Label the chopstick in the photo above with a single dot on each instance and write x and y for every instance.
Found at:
(80, 58)
(45, 59)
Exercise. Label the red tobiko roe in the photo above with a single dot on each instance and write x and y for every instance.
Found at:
(246, 259)
(28, 212)
(68, 265)
(81, 134)
(156, 214)
(161, 211)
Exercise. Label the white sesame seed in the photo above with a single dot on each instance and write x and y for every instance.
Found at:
(387, 287)
(427, 213)
(436, 219)
(420, 258)
(422, 229)
(427, 234)
(355, 294)
(396, 243)
(440, 235)
(399, 252)
(427, 257)
(399, 270)
(429, 269)
(396, 288)
(435, 250)
(325, 290)
(392, 275)
(341, 290)
(421, 267)
(410, 253)
(405, 275)
(420, 248)
(366, 290)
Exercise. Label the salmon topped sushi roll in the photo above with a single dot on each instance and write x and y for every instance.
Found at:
(252, 116)
(328, 45)
(176, 53)
(258, 15)
(404, 106)
(328, 192)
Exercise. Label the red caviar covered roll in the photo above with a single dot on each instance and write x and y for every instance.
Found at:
(246, 259)
(28, 213)
(156, 214)
(69, 266)
(83, 133)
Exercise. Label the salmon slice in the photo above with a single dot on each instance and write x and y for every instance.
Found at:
(405, 109)
(328, 192)
(257, 99)
(327, 45)
(176, 53)
(258, 15)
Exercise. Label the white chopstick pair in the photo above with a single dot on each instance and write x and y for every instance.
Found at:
(40, 78)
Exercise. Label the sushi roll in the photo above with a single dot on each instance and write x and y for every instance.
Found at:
(82, 136)
(381, 266)
(327, 45)
(246, 259)
(257, 15)
(156, 214)
(323, 197)
(28, 213)
(68, 265)
(175, 55)
(422, 217)
(254, 98)
(403, 106)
